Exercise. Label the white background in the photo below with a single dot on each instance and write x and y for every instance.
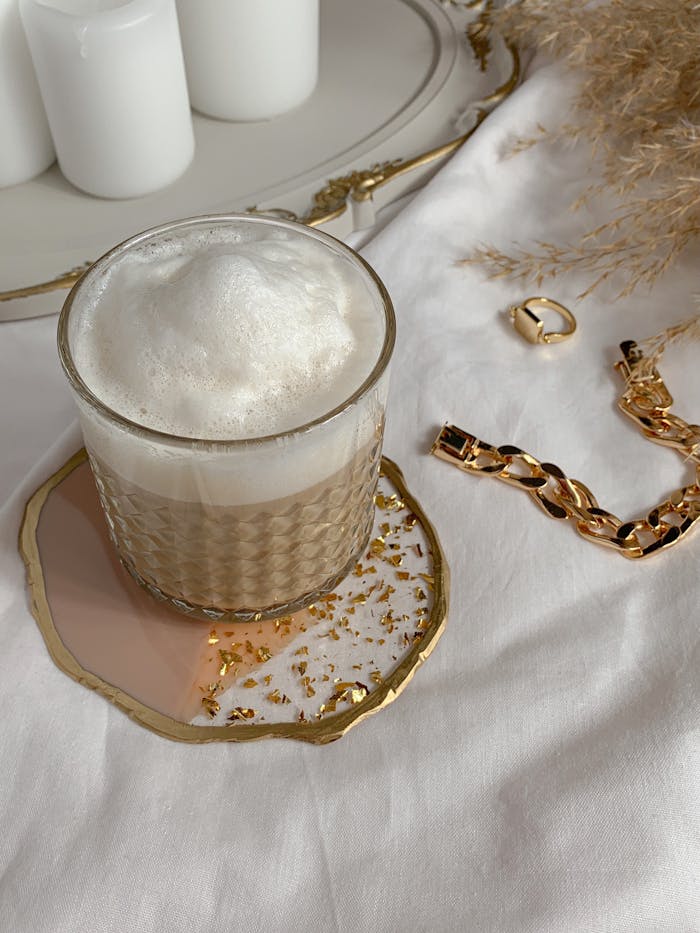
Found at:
(540, 773)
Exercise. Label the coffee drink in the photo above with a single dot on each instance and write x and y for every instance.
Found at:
(231, 377)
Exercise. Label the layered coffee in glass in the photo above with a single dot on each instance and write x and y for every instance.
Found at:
(231, 376)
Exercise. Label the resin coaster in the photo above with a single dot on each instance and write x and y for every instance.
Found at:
(310, 676)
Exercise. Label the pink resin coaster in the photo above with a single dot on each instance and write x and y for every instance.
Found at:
(309, 676)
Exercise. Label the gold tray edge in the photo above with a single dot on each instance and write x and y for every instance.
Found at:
(318, 733)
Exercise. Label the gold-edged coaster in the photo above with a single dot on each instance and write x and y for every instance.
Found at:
(311, 676)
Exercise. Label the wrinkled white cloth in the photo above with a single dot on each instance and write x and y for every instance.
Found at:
(540, 773)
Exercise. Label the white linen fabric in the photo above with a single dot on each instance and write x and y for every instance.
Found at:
(540, 773)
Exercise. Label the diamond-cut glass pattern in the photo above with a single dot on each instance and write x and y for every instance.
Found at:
(217, 559)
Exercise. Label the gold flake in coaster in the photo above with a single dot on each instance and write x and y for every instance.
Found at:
(311, 676)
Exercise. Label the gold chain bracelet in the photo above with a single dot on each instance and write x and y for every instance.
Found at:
(646, 400)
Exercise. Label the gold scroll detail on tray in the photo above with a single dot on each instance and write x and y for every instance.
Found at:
(65, 280)
(331, 201)
(647, 401)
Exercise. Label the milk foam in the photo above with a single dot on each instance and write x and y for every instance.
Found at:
(226, 334)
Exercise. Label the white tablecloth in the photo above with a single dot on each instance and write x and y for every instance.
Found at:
(540, 772)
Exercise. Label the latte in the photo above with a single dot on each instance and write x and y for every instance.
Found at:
(231, 377)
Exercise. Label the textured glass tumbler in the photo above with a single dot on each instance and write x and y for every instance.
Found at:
(237, 529)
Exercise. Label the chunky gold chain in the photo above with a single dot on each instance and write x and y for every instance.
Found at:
(646, 400)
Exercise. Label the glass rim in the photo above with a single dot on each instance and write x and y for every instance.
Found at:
(88, 396)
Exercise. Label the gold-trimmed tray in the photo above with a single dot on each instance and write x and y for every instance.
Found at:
(400, 91)
(311, 676)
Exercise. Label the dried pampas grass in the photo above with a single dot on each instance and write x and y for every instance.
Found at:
(639, 105)
(653, 348)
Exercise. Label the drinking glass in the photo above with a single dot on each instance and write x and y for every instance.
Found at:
(237, 529)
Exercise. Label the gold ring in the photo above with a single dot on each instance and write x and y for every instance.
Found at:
(531, 327)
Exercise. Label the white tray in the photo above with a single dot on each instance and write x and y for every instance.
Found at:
(396, 78)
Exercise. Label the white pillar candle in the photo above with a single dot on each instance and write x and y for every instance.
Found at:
(112, 78)
(249, 59)
(25, 140)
